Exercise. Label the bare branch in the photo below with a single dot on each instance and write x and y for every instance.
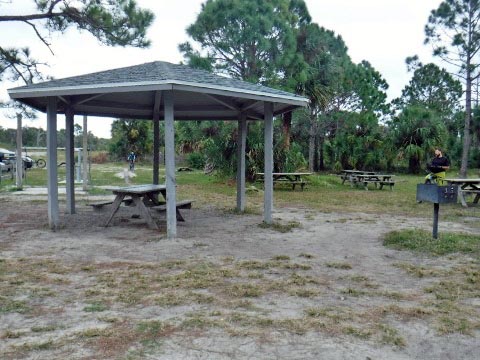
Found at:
(29, 17)
(47, 44)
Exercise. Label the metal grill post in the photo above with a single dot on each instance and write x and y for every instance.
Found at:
(436, 210)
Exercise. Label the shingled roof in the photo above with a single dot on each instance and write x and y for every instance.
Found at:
(129, 92)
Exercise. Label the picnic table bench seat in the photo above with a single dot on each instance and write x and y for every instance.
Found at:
(99, 205)
(183, 204)
(302, 183)
(471, 191)
(293, 179)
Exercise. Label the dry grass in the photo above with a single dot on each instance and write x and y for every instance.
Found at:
(235, 296)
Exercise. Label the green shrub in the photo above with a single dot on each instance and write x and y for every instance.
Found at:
(196, 160)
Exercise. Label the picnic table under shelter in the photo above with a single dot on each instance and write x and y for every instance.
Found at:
(157, 90)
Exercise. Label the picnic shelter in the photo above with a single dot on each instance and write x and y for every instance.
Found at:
(156, 91)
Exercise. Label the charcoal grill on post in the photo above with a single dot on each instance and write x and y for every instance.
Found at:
(437, 195)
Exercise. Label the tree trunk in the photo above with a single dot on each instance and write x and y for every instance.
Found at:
(321, 162)
(39, 136)
(287, 125)
(315, 161)
(468, 119)
(311, 143)
(414, 165)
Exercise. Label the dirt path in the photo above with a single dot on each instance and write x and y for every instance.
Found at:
(229, 289)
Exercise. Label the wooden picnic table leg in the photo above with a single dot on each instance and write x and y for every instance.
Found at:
(151, 197)
(477, 197)
(144, 213)
(115, 206)
(461, 196)
(352, 181)
(179, 215)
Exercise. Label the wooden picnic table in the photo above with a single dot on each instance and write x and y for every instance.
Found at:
(350, 174)
(143, 197)
(356, 177)
(377, 179)
(466, 186)
(291, 178)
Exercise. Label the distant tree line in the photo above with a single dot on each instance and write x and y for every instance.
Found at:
(37, 137)
(348, 123)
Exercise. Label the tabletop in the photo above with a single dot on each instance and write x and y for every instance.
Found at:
(375, 175)
(289, 173)
(358, 172)
(464, 181)
(139, 189)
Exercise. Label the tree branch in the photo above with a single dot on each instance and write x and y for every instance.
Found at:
(47, 44)
(25, 18)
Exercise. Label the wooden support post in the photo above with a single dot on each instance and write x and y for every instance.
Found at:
(70, 161)
(241, 146)
(268, 176)
(156, 136)
(85, 154)
(19, 161)
(52, 182)
(170, 165)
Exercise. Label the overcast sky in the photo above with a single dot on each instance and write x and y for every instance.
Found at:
(383, 32)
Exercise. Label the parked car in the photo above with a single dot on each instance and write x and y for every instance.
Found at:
(8, 158)
(27, 162)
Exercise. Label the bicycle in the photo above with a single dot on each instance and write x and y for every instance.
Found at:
(40, 163)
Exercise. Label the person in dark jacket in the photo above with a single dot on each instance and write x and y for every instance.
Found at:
(438, 168)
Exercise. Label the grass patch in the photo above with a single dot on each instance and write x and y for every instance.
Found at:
(357, 332)
(9, 334)
(13, 306)
(43, 345)
(304, 293)
(282, 228)
(339, 265)
(46, 328)
(455, 324)
(244, 290)
(390, 336)
(421, 271)
(281, 257)
(353, 292)
(95, 307)
(306, 255)
(94, 332)
(422, 241)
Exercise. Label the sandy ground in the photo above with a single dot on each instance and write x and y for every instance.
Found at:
(326, 289)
